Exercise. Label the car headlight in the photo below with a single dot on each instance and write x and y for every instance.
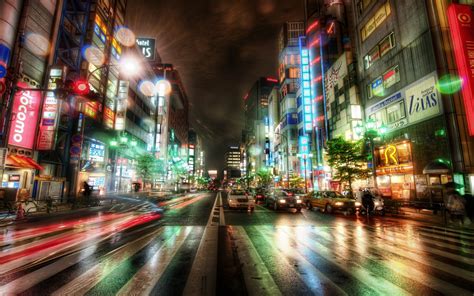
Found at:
(377, 203)
(282, 201)
(299, 201)
(338, 203)
(357, 204)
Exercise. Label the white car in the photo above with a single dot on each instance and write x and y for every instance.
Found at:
(239, 199)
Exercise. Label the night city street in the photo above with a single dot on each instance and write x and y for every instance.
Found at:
(196, 246)
(250, 147)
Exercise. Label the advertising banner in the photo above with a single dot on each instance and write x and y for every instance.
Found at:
(461, 22)
(121, 109)
(23, 125)
(422, 100)
(49, 116)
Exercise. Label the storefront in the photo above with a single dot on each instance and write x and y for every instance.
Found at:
(46, 186)
(19, 173)
(394, 173)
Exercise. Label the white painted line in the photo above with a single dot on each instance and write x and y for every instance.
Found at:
(258, 280)
(202, 278)
(93, 276)
(145, 279)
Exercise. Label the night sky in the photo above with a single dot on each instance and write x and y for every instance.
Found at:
(220, 48)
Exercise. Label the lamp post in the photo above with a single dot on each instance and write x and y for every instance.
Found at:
(305, 156)
(287, 160)
(372, 130)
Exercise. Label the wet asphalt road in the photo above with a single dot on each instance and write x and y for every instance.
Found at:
(200, 247)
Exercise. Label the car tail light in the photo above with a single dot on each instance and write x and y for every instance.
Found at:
(290, 194)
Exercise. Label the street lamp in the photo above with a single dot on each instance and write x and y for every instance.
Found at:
(287, 160)
(373, 129)
(305, 156)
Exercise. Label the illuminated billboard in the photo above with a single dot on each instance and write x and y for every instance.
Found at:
(23, 126)
(461, 22)
(306, 87)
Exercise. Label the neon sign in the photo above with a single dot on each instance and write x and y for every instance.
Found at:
(390, 154)
(306, 87)
(461, 21)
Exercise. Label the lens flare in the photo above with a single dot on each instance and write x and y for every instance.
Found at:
(255, 150)
(147, 88)
(163, 87)
(125, 36)
(93, 55)
(37, 44)
(449, 84)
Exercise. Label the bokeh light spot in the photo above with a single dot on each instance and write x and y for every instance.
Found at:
(449, 84)
(125, 36)
(255, 150)
(93, 55)
(147, 88)
(37, 44)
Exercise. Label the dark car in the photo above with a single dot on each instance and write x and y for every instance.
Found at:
(260, 194)
(284, 199)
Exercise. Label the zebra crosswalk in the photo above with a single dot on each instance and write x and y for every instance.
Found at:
(342, 259)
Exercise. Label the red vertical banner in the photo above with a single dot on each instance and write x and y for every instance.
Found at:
(461, 22)
(25, 110)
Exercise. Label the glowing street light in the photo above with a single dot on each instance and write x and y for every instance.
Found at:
(129, 66)
(163, 87)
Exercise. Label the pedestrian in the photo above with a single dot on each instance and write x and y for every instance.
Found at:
(469, 199)
(455, 205)
(87, 190)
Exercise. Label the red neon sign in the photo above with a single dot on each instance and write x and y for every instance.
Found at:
(461, 22)
(23, 126)
(312, 26)
(269, 79)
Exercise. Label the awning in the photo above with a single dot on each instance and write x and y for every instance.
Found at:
(20, 161)
(436, 168)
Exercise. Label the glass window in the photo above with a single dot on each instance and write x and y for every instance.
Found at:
(387, 44)
(391, 77)
(395, 112)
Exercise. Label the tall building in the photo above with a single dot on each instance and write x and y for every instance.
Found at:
(402, 59)
(232, 162)
(286, 132)
(27, 32)
(175, 122)
(256, 132)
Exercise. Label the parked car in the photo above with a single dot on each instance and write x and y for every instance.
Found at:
(240, 199)
(283, 199)
(331, 201)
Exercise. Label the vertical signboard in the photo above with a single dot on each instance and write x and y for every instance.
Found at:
(121, 108)
(461, 22)
(25, 115)
(306, 88)
(147, 47)
(49, 116)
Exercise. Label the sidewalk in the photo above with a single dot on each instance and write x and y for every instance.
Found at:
(427, 216)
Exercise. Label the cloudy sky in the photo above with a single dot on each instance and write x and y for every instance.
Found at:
(220, 47)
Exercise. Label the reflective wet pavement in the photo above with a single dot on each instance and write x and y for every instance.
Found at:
(200, 247)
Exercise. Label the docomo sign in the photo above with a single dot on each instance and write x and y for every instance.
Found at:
(461, 22)
(25, 110)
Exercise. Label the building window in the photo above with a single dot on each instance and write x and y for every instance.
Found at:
(381, 49)
(375, 21)
(378, 86)
(395, 112)
(391, 77)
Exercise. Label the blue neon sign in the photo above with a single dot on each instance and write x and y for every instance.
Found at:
(306, 87)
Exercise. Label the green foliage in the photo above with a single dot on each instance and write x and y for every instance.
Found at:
(347, 158)
(148, 166)
(203, 182)
(296, 181)
(264, 178)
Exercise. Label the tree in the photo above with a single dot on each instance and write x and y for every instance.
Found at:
(179, 169)
(148, 167)
(264, 177)
(347, 159)
(295, 181)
